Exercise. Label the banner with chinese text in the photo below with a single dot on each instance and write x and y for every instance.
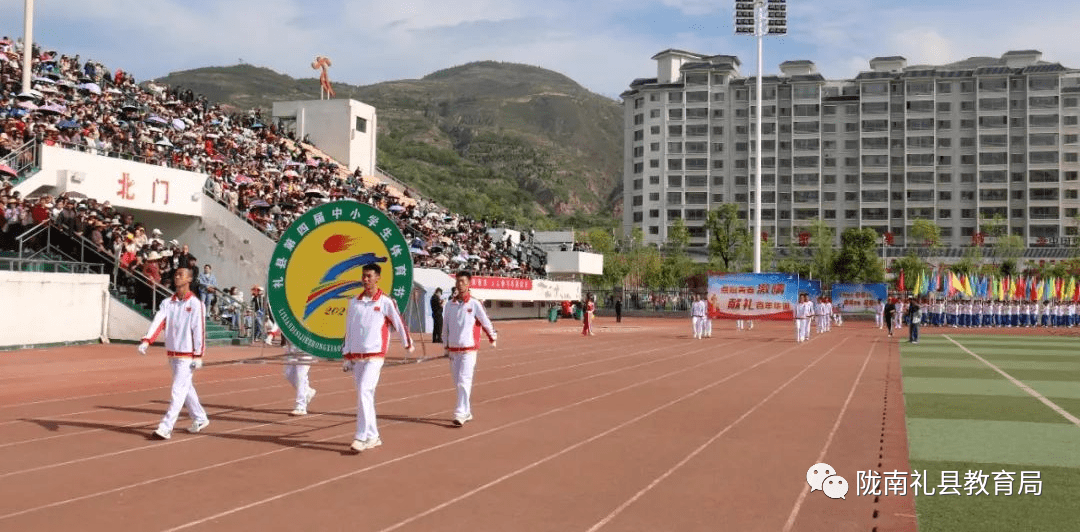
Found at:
(500, 283)
(760, 296)
(855, 298)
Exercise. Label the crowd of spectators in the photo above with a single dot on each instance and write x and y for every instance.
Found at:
(140, 253)
(256, 169)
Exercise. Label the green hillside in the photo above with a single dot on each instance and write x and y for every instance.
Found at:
(490, 139)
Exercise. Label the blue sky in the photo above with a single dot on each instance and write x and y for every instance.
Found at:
(602, 44)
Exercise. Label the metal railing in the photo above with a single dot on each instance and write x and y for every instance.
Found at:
(674, 301)
(24, 160)
(130, 282)
(29, 242)
(49, 266)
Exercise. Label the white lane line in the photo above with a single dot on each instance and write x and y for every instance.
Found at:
(1053, 406)
(156, 445)
(612, 430)
(828, 441)
(333, 437)
(447, 444)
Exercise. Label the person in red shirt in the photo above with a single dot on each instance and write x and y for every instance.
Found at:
(151, 269)
(587, 316)
(40, 212)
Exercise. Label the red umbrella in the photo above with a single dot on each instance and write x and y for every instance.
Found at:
(5, 169)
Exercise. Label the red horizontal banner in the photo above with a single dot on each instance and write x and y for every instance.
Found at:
(500, 283)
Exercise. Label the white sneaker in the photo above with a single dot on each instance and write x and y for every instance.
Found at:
(363, 445)
(298, 412)
(461, 420)
(197, 426)
(309, 395)
(161, 434)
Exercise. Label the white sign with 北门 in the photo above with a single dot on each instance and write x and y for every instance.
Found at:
(125, 184)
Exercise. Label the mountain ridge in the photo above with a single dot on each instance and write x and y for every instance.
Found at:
(532, 143)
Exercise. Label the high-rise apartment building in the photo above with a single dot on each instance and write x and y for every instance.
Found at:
(951, 143)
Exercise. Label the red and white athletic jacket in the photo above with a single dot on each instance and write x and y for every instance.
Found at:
(463, 319)
(184, 324)
(367, 326)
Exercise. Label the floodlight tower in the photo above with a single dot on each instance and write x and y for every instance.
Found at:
(759, 18)
(28, 44)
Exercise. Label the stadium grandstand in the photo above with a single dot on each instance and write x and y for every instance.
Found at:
(259, 172)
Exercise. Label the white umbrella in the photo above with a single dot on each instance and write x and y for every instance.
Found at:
(178, 124)
(92, 88)
(459, 258)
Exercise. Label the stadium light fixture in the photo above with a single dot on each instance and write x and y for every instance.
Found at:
(759, 18)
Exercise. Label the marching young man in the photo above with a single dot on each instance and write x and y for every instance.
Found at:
(297, 374)
(463, 320)
(879, 311)
(697, 317)
(183, 319)
(368, 318)
(803, 310)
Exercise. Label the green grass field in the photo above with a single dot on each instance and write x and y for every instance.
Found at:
(963, 416)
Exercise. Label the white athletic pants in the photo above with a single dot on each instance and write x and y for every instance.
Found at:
(298, 377)
(708, 326)
(699, 326)
(183, 392)
(802, 329)
(366, 374)
(462, 367)
(878, 320)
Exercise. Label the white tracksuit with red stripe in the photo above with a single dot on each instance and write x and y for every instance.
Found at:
(463, 320)
(184, 323)
(368, 319)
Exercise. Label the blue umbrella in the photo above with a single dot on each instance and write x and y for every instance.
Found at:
(68, 124)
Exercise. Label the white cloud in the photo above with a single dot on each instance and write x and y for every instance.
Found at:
(602, 44)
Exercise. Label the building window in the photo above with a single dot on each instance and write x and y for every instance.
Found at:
(1043, 120)
(1043, 83)
(361, 124)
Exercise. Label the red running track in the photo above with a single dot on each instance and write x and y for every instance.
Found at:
(639, 427)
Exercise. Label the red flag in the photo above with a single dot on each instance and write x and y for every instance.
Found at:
(900, 282)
